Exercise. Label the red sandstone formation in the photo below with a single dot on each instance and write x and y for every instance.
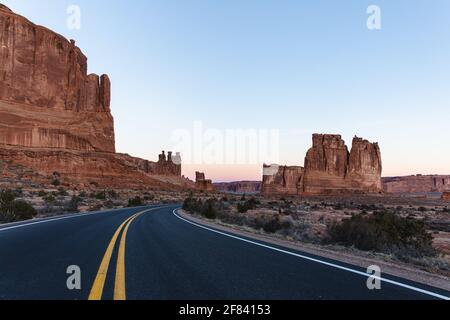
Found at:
(282, 180)
(202, 184)
(84, 170)
(329, 169)
(47, 99)
(416, 184)
(446, 196)
(239, 187)
(54, 117)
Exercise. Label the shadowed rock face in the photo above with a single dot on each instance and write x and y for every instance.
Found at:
(287, 180)
(47, 99)
(202, 184)
(330, 169)
(54, 117)
(239, 187)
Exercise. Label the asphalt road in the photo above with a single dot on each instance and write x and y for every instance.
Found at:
(157, 255)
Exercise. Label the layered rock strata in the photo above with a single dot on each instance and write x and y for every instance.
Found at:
(329, 169)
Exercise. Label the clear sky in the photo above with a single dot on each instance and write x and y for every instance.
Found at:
(298, 67)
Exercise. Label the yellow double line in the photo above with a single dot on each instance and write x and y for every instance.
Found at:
(119, 284)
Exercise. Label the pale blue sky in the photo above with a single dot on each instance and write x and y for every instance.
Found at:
(298, 66)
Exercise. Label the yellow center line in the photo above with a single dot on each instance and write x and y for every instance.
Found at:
(119, 287)
(99, 282)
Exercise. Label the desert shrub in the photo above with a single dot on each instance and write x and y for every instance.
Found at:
(6, 197)
(101, 195)
(83, 194)
(42, 193)
(14, 210)
(18, 192)
(108, 204)
(73, 204)
(273, 225)
(113, 194)
(250, 204)
(232, 218)
(56, 182)
(384, 232)
(210, 209)
(62, 192)
(422, 209)
(135, 202)
(23, 210)
(192, 205)
(149, 197)
(50, 198)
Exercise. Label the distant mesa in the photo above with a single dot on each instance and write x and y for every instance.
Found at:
(239, 187)
(417, 184)
(329, 169)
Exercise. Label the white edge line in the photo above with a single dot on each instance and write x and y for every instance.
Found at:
(436, 295)
(78, 215)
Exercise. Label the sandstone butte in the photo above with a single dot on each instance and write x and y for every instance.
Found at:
(55, 119)
(329, 169)
(202, 184)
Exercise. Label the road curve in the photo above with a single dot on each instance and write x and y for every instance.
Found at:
(150, 253)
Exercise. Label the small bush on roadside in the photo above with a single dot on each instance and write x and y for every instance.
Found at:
(192, 205)
(12, 210)
(135, 202)
(113, 194)
(73, 204)
(384, 232)
(210, 209)
(62, 192)
(50, 199)
(83, 194)
(250, 204)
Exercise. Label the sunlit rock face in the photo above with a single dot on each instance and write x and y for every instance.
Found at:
(329, 169)
(47, 99)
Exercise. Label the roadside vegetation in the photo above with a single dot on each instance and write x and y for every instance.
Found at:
(384, 231)
(400, 233)
(12, 210)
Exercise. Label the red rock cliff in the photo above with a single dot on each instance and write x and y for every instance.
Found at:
(47, 99)
(329, 169)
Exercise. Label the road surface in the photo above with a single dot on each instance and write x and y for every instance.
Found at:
(151, 253)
